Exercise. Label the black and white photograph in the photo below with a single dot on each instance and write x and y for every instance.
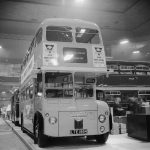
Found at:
(74, 74)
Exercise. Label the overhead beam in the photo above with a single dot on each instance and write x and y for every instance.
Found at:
(5, 100)
(37, 22)
(16, 37)
(131, 6)
(20, 20)
(59, 3)
(142, 24)
(9, 83)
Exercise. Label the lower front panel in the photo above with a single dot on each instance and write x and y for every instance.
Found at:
(77, 123)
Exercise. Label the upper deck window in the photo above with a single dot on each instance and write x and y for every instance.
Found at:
(86, 35)
(59, 33)
(39, 36)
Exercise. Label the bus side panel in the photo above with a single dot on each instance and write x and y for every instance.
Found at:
(28, 115)
(51, 129)
(38, 55)
(38, 104)
(12, 109)
(103, 109)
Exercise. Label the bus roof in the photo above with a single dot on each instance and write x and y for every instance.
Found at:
(69, 22)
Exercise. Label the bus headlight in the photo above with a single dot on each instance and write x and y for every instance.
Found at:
(52, 120)
(102, 128)
(47, 114)
(102, 118)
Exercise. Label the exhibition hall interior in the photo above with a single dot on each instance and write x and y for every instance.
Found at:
(75, 74)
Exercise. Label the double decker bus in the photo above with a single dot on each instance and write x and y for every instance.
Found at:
(58, 82)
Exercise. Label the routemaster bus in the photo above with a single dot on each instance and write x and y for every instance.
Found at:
(58, 82)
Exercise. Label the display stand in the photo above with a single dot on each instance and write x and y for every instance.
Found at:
(138, 126)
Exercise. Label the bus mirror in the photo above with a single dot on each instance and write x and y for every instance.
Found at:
(39, 77)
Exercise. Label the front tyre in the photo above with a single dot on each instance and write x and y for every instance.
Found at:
(39, 137)
(102, 138)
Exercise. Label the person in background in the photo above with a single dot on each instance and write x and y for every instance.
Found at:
(117, 108)
(133, 104)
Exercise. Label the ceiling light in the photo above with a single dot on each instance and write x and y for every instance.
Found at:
(3, 92)
(136, 52)
(79, 1)
(0, 46)
(124, 41)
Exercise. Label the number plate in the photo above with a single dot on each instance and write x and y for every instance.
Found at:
(80, 131)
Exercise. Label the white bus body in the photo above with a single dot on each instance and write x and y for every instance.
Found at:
(58, 82)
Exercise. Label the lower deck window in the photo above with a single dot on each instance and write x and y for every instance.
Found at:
(58, 93)
(83, 93)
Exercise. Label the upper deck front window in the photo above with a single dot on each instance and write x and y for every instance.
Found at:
(59, 33)
(86, 35)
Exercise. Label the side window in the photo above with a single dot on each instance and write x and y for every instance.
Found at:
(39, 36)
(39, 87)
(33, 43)
(31, 92)
(31, 48)
(21, 96)
(24, 95)
(99, 95)
(27, 93)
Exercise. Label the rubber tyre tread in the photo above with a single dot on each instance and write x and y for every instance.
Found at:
(41, 141)
(101, 139)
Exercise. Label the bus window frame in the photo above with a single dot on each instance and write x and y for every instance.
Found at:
(39, 32)
(71, 31)
(63, 89)
(89, 41)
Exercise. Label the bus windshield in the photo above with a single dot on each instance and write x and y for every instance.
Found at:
(59, 33)
(58, 85)
(86, 35)
(83, 85)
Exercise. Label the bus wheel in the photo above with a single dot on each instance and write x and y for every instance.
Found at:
(102, 138)
(22, 124)
(39, 137)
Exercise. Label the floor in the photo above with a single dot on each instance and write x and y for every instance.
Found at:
(115, 142)
(8, 139)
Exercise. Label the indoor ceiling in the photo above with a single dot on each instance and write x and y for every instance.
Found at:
(118, 19)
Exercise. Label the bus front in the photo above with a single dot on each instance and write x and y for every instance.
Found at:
(73, 57)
